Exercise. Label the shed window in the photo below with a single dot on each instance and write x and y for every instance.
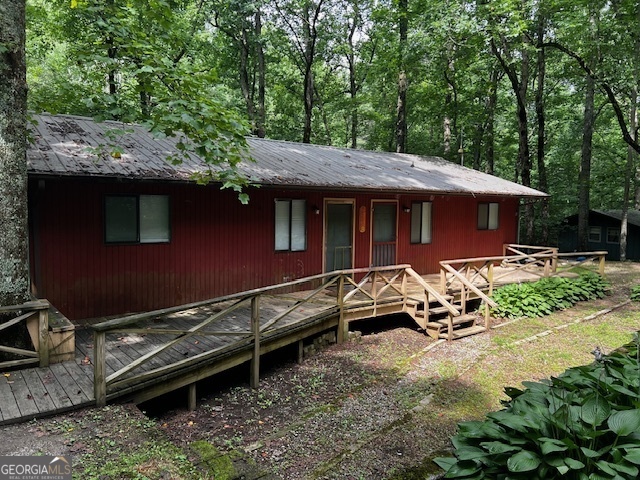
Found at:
(488, 216)
(137, 219)
(291, 225)
(595, 234)
(421, 222)
(613, 235)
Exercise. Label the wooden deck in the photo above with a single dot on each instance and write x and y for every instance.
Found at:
(144, 356)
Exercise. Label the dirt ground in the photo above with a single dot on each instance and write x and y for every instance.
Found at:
(380, 406)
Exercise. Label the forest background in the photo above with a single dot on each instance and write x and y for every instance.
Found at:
(542, 92)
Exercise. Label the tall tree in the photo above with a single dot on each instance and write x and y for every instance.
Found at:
(401, 110)
(14, 265)
(513, 56)
(300, 20)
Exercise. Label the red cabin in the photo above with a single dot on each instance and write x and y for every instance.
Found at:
(116, 235)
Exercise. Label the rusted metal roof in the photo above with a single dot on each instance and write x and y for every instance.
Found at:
(62, 146)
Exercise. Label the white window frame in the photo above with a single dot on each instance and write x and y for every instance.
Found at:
(421, 223)
(290, 225)
(595, 234)
(152, 220)
(488, 216)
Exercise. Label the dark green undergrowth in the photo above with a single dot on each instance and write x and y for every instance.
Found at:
(635, 293)
(545, 296)
(582, 425)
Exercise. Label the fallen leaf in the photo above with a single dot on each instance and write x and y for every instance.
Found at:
(86, 360)
(7, 375)
(29, 397)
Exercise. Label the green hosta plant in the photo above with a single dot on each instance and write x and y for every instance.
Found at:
(582, 425)
(546, 295)
(635, 293)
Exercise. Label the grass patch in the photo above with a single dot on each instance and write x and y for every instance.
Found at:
(218, 465)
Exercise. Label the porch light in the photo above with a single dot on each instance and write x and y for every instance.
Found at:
(316, 210)
(406, 209)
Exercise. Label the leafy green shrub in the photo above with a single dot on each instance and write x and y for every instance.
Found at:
(583, 425)
(547, 295)
(635, 293)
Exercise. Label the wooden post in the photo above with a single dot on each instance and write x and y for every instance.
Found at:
(554, 261)
(405, 295)
(443, 281)
(99, 368)
(374, 292)
(504, 249)
(449, 327)
(601, 265)
(43, 337)
(255, 327)
(490, 277)
(547, 267)
(191, 397)
(343, 326)
(300, 356)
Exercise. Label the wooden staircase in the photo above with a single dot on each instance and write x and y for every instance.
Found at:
(440, 323)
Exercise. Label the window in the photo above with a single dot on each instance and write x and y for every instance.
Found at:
(488, 216)
(613, 235)
(136, 219)
(595, 234)
(421, 222)
(291, 225)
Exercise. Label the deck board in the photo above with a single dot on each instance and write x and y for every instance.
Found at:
(22, 394)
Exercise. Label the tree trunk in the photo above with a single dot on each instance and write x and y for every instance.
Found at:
(492, 102)
(309, 52)
(629, 173)
(246, 86)
(401, 111)
(584, 177)
(353, 85)
(14, 247)
(261, 115)
(540, 116)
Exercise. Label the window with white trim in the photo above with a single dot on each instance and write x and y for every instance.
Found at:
(595, 234)
(613, 235)
(488, 214)
(136, 219)
(290, 225)
(421, 222)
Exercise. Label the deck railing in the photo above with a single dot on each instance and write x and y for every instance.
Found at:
(376, 288)
(482, 274)
(30, 312)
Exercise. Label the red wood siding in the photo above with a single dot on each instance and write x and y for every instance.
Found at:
(218, 246)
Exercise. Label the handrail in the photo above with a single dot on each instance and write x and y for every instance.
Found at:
(379, 284)
(25, 311)
(548, 262)
(107, 325)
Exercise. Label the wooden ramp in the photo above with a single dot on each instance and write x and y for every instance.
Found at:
(142, 356)
(146, 355)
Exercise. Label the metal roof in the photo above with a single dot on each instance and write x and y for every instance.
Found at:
(61, 145)
(633, 216)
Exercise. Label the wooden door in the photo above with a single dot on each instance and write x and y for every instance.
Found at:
(384, 234)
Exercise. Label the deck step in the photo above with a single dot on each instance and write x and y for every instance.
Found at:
(459, 320)
(464, 332)
(441, 310)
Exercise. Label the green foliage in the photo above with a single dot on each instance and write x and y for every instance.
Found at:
(635, 293)
(546, 295)
(581, 425)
